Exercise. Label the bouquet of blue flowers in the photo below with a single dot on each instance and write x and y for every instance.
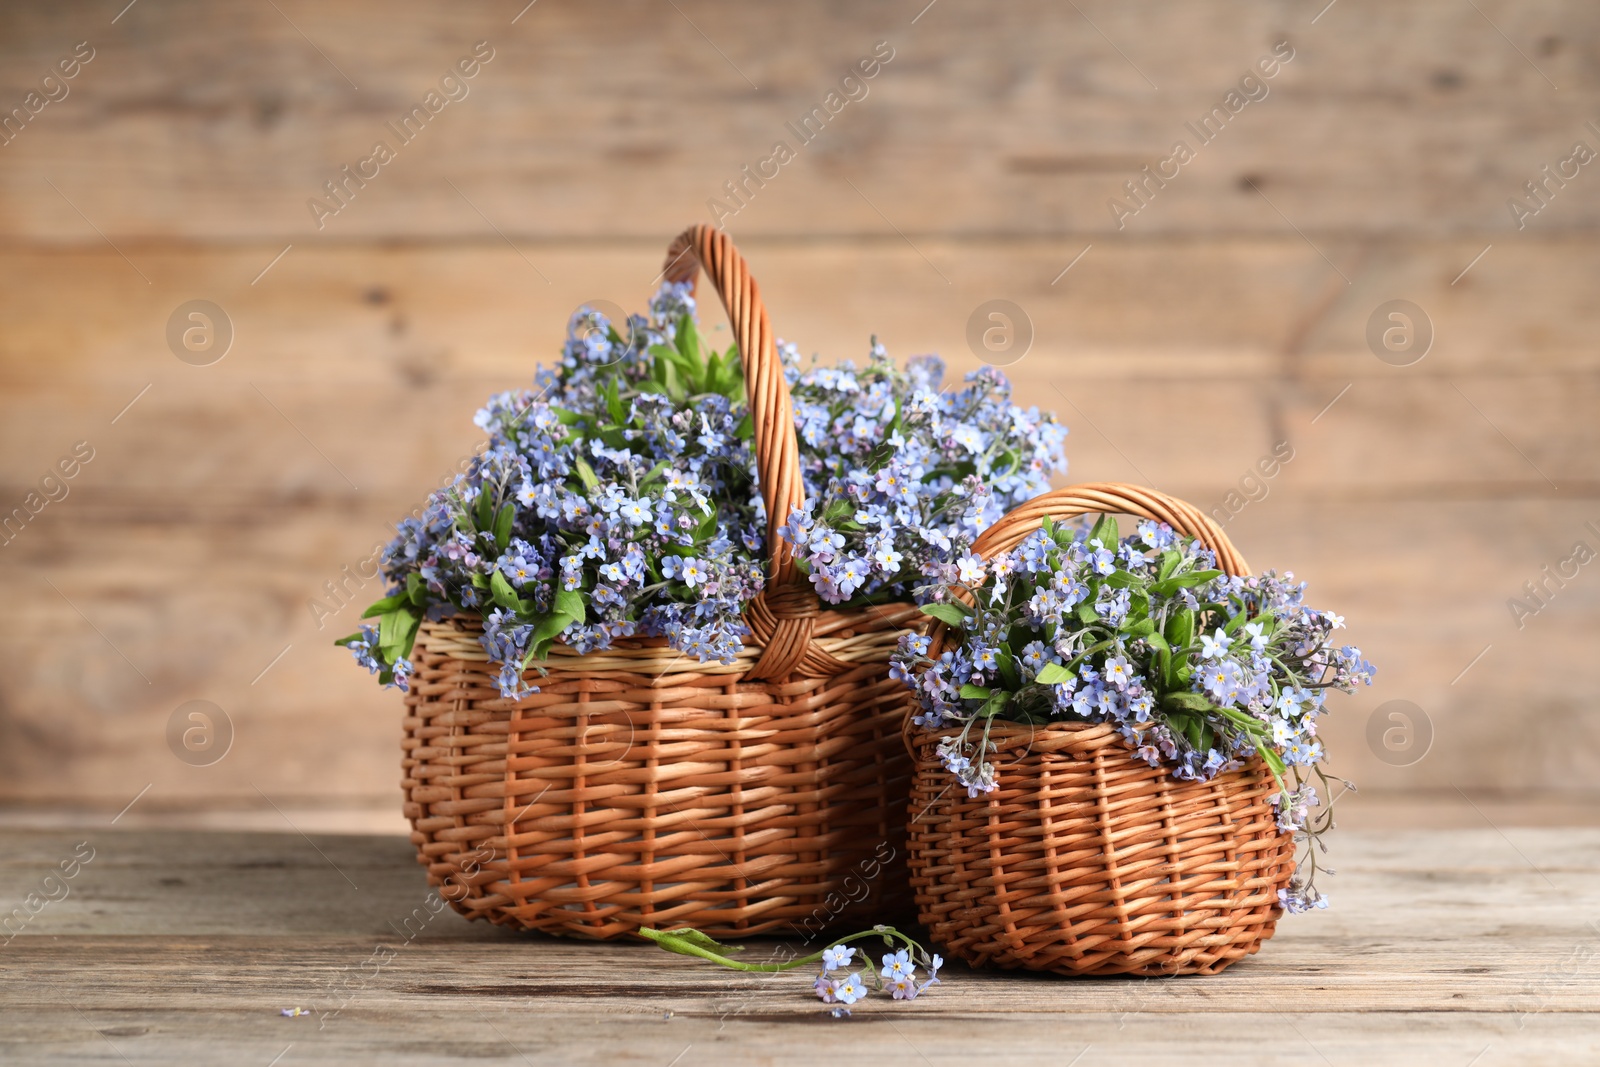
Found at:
(620, 496)
(1198, 670)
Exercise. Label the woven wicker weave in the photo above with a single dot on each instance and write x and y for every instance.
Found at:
(640, 787)
(1086, 860)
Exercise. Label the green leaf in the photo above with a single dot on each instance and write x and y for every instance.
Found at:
(1184, 700)
(504, 595)
(1086, 613)
(1145, 627)
(585, 473)
(689, 942)
(396, 631)
(732, 383)
(1120, 579)
(565, 417)
(673, 381)
(836, 511)
(975, 692)
(1180, 629)
(614, 405)
(570, 602)
(1274, 761)
(688, 342)
(995, 705)
(1169, 563)
(346, 642)
(1053, 674)
(707, 527)
(1157, 642)
(548, 628)
(953, 613)
(655, 473)
(1008, 670)
(1249, 723)
(1237, 621)
(713, 374)
(1138, 606)
(1172, 585)
(387, 604)
(502, 527)
(484, 514)
(1105, 528)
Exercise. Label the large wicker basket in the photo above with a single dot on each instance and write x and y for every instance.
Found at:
(639, 787)
(1086, 860)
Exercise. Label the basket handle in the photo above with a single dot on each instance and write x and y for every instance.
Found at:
(1110, 498)
(782, 618)
(1092, 498)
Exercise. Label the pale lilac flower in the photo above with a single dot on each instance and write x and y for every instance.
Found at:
(898, 964)
(837, 958)
(849, 990)
(969, 570)
(1216, 645)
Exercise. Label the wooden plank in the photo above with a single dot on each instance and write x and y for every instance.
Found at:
(221, 121)
(337, 349)
(518, 1034)
(173, 946)
(205, 525)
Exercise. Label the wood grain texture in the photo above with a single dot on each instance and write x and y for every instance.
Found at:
(1417, 118)
(217, 507)
(180, 948)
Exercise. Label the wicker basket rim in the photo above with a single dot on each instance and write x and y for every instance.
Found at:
(1073, 738)
(844, 640)
(891, 616)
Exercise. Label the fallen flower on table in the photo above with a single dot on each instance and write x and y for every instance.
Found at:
(897, 977)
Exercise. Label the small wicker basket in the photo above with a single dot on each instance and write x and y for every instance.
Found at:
(1085, 860)
(639, 787)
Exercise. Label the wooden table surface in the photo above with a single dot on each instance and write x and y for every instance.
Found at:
(1477, 947)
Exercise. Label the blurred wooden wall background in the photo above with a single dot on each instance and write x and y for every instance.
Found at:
(1222, 319)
